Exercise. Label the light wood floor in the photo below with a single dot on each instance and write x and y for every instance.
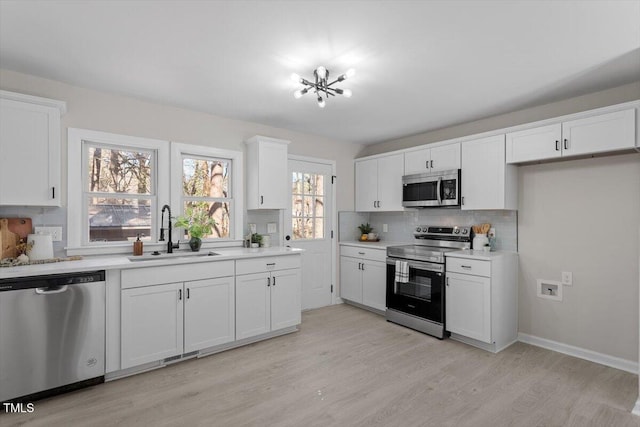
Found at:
(348, 367)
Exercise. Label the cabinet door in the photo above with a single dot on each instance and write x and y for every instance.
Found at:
(445, 157)
(539, 143)
(606, 132)
(151, 323)
(417, 161)
(272, 182)
(366, 185)
(468, 306)
(253, 305)
(29, 154)
(209, 316)
(351, 279)
(484, 177)
(374, 282)
(390, 171)
(285, 299)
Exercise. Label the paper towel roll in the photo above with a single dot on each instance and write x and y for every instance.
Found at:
(42, 247)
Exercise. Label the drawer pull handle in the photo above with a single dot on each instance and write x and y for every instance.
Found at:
(268, 281)
(465, 266)
(360, 253)
(271, 264)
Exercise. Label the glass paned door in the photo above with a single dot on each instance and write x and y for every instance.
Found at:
(307, 205)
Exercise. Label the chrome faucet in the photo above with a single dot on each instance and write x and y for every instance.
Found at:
(170, 245)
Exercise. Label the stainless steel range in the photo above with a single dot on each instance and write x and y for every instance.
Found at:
(416, 277)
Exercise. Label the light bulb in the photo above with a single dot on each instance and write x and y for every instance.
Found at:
(297, 94)
(322, 72)
(350, 73)
(346, 93)
(321, 102)
(296, 78)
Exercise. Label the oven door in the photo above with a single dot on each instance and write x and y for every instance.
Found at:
(423, 293)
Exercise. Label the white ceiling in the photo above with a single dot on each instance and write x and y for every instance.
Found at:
(421, 65)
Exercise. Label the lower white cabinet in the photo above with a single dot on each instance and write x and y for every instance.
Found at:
(482, 298)
(161, 320)
(268, 300)
(363, 275)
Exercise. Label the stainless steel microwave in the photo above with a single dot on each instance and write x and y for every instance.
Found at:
(431, 190)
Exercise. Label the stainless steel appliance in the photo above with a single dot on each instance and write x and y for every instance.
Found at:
(419, 302)
(438, 189)
(52, 334)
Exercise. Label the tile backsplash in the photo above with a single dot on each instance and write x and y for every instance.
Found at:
(401, 225)
(41, 216)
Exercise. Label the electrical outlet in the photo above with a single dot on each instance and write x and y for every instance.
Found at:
(385, 228)
(567, 278)
(492, 232)
(252, 228)
(56, 232)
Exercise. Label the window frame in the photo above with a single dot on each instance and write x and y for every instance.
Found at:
(180, 151)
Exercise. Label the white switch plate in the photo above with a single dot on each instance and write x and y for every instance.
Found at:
(567, 278)
(56, 232)
(272, 227)
(385, 228)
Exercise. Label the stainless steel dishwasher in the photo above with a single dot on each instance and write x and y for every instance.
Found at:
(52, 334)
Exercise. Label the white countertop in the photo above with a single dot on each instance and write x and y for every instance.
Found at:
(481, 255)
(382, 244)
(118, 262)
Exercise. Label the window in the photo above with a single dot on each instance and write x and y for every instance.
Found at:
(119, 193)
(307, 206)
(206, 187)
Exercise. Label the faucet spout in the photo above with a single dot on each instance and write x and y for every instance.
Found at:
(162, 229)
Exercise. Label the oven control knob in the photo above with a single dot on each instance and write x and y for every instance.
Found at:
(424, 229)
(418, 230)
(457, 231)
(464, 231)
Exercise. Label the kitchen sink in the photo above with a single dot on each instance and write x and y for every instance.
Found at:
(176, 255)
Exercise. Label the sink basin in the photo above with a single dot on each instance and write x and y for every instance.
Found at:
(175, 255)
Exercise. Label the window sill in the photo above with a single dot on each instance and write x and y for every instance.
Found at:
(127, 248)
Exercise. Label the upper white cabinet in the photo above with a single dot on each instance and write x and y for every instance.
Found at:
(29, 150)
(590, 135)
(426, 160)
(487, 181)
(379, 183)
(267, 167)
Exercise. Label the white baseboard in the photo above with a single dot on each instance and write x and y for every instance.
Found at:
(582, 353)
(636, 409)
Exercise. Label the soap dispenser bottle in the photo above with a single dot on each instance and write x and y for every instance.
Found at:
(137, 246)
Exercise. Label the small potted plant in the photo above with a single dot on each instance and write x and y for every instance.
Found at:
(198, 224)
(365, 229)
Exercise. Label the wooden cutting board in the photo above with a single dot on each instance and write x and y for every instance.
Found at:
(11, 231)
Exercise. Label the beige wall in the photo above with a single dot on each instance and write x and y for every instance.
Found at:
(581, 216)
(95, 110)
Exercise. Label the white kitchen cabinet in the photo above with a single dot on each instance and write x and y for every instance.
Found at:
(152, 324)
(267, 295)
(29, 150)
(363, 275)
(379, 183)
(209, 313)
(162, 317)
(267, 173)
(487, 181)
(600, 133)
(482, 298)
(436, 159)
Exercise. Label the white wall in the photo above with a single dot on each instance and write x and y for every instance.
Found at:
(582, 216)
(95, 110)
(577, 215)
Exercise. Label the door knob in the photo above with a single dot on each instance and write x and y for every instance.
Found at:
(287, 237)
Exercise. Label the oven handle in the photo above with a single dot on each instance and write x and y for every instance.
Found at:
(438, 190)
(426, 266)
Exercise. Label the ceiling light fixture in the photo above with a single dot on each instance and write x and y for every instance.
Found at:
(322, 86)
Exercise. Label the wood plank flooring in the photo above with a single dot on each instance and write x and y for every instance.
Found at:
(349, 367)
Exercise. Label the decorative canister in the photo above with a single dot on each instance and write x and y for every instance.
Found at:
(479, 241)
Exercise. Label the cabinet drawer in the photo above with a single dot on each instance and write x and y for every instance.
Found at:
(146, 276)
(260, 265)
(364, 253)
(469, 266)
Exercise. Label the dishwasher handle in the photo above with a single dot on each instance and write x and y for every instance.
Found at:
(52, 290)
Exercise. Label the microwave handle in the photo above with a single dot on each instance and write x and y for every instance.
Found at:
(439, 190)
